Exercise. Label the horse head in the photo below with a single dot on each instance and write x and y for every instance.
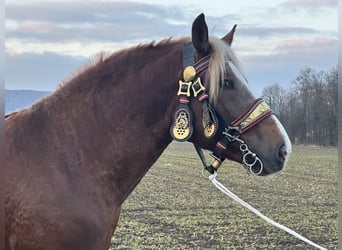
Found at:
(223, 114)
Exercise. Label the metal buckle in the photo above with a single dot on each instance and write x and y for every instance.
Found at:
(232, 133)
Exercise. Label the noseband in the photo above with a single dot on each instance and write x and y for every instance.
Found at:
(182, 128)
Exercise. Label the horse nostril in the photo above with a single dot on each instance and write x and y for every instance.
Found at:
(282, 153)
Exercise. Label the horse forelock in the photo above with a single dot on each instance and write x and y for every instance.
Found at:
(221, 53)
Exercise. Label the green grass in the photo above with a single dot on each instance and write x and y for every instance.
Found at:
(175, 208)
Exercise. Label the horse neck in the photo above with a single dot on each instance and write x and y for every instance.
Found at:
(118, 119)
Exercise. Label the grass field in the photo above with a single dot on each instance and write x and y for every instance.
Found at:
(175, 208)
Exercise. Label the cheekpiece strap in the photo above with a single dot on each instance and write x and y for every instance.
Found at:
(181, 128)
(188, 55)
(191, 85)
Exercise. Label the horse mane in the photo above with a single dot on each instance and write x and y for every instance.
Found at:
(101, 57)
(97, 59)
(221, 52)
(74, 82)
(217, 67)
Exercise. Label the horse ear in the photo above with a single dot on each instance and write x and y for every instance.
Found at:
(230, 36)
(200, 38)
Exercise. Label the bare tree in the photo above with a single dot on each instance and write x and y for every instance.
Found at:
(331, 77)
(274, 95)
(308, 110)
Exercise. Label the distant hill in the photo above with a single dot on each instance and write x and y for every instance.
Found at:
(17, 99)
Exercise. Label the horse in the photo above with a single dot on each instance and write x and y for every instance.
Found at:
(74, 156)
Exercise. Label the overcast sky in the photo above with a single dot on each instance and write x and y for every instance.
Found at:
(48, 40)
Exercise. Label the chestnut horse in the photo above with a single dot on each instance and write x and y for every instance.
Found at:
(73, 157)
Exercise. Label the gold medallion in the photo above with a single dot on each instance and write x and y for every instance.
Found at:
(189, 73)
(210, 130)
(181, 129)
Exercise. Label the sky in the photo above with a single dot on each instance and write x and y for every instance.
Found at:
(46, 41)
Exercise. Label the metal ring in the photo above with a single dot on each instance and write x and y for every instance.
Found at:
(244, 147)
(252, 156)
(261, 167)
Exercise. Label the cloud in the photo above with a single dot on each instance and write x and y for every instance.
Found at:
(308, 4)
(316, 46)
(58, 29)
(124, 21)
(88, 21)
(311, 7)
(278, 44)
(263, 31)
(87, 27)
(88, 11)
(284, 63)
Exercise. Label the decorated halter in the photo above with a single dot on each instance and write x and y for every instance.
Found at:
(182, 128)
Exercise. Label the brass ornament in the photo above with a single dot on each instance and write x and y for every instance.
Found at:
(258, 111)
(209, 120)
(181, 130)
(216, 164)
(197, 87)
(184, 88)
(189, 73)
(210, 130)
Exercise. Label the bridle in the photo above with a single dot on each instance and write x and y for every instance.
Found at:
(182, 128)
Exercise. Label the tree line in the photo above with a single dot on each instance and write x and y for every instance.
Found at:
(308, 110)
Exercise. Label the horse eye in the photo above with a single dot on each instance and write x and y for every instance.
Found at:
(228, 84)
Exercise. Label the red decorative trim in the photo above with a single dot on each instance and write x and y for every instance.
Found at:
(219, 145)
(246, 113)
(202, 64)
(258, 120)
(184, 100)
(203, 96)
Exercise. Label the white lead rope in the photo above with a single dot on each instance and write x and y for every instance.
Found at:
(223, 189)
